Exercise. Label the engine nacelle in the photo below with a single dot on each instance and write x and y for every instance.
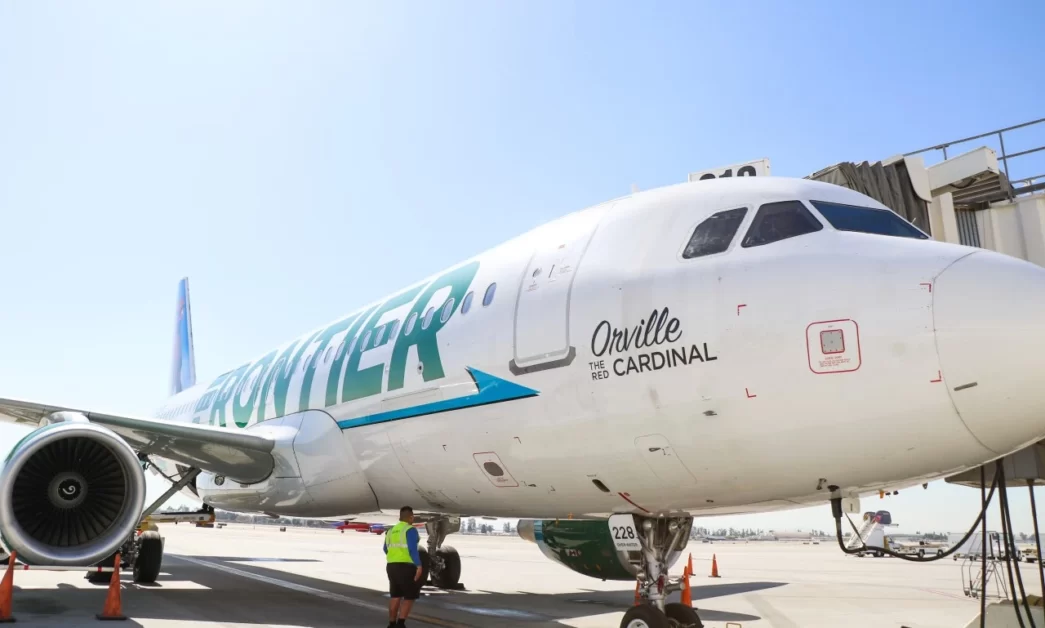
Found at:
(585, 546)
(71, 493)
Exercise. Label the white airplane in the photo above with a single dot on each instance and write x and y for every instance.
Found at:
(723, 346)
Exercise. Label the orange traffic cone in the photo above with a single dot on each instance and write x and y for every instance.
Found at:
(6, 590)
(687, 597)
(714, 567)
(113, 608)
(637, 593)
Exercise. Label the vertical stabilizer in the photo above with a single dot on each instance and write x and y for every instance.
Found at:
(183, 365)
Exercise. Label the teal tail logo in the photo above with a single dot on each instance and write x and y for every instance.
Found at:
(183, 364)
(491, 389)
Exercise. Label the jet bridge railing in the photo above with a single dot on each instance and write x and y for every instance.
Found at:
(1009, 189)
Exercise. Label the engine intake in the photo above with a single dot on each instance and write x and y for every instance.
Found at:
(71, 493)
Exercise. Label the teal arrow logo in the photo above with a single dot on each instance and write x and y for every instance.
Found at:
(491, 389)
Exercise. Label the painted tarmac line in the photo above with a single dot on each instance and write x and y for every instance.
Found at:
(301, 588)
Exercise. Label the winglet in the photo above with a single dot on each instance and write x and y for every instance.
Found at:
(183, 364)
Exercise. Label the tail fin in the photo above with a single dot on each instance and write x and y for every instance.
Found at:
(183, 365)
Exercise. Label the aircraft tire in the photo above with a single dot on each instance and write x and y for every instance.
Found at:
(644, 616)
(684, 616)
(150, 558)
(451, 573)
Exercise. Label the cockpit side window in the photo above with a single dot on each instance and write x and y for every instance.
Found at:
(715, 233)
(780, 221)
(867, 220)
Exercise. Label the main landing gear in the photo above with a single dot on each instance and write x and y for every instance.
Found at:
(143, 552)
(662, 539)
(441, 564)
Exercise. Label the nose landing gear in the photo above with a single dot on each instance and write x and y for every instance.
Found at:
(662, 539)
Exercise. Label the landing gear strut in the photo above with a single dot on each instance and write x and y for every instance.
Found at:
(662, 539)
(440, 563)
(143, 551)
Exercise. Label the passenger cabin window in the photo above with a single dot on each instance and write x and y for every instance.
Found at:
(410, 323)
(380, 335)
(488, 297)
(467, 303)
(428, 318)
(780, 221)
(448, 310)
(715, 233)
(394, 329)
(340, 351)
(867, 220)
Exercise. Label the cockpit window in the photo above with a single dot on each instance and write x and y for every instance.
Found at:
(779, 221)
(715, 233)
(867, 220)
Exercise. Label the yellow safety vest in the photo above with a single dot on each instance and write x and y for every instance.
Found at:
(395, 542)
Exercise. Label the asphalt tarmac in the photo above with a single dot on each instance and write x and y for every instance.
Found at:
(242, 575)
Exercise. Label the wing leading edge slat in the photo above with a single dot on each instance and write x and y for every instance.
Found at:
(240, 456)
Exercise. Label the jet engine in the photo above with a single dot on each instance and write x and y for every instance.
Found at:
(71, 493)
(585, 546)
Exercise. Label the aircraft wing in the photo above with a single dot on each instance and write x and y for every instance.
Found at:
(240, 456)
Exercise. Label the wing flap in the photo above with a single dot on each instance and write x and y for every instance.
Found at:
(238, 455)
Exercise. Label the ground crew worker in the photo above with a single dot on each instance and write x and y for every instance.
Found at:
(403, 568)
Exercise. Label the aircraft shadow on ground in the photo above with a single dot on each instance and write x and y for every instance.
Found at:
(63, 605)
(610, 601)
(193, 592)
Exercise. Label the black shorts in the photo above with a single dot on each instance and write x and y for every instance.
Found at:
(401, 581)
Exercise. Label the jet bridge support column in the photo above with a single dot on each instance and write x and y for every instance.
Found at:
(942, 219)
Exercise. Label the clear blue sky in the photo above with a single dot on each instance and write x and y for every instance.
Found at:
(297, 160)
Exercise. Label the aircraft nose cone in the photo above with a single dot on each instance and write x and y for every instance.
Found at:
(989, 315)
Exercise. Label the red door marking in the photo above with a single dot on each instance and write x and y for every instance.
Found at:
(939, 378)
(625, 497)
(927, 284)
(740, 306)
(749, 395)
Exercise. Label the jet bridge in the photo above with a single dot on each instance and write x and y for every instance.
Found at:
(969, 198)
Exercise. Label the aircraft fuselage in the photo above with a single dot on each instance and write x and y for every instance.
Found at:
(596, 369)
